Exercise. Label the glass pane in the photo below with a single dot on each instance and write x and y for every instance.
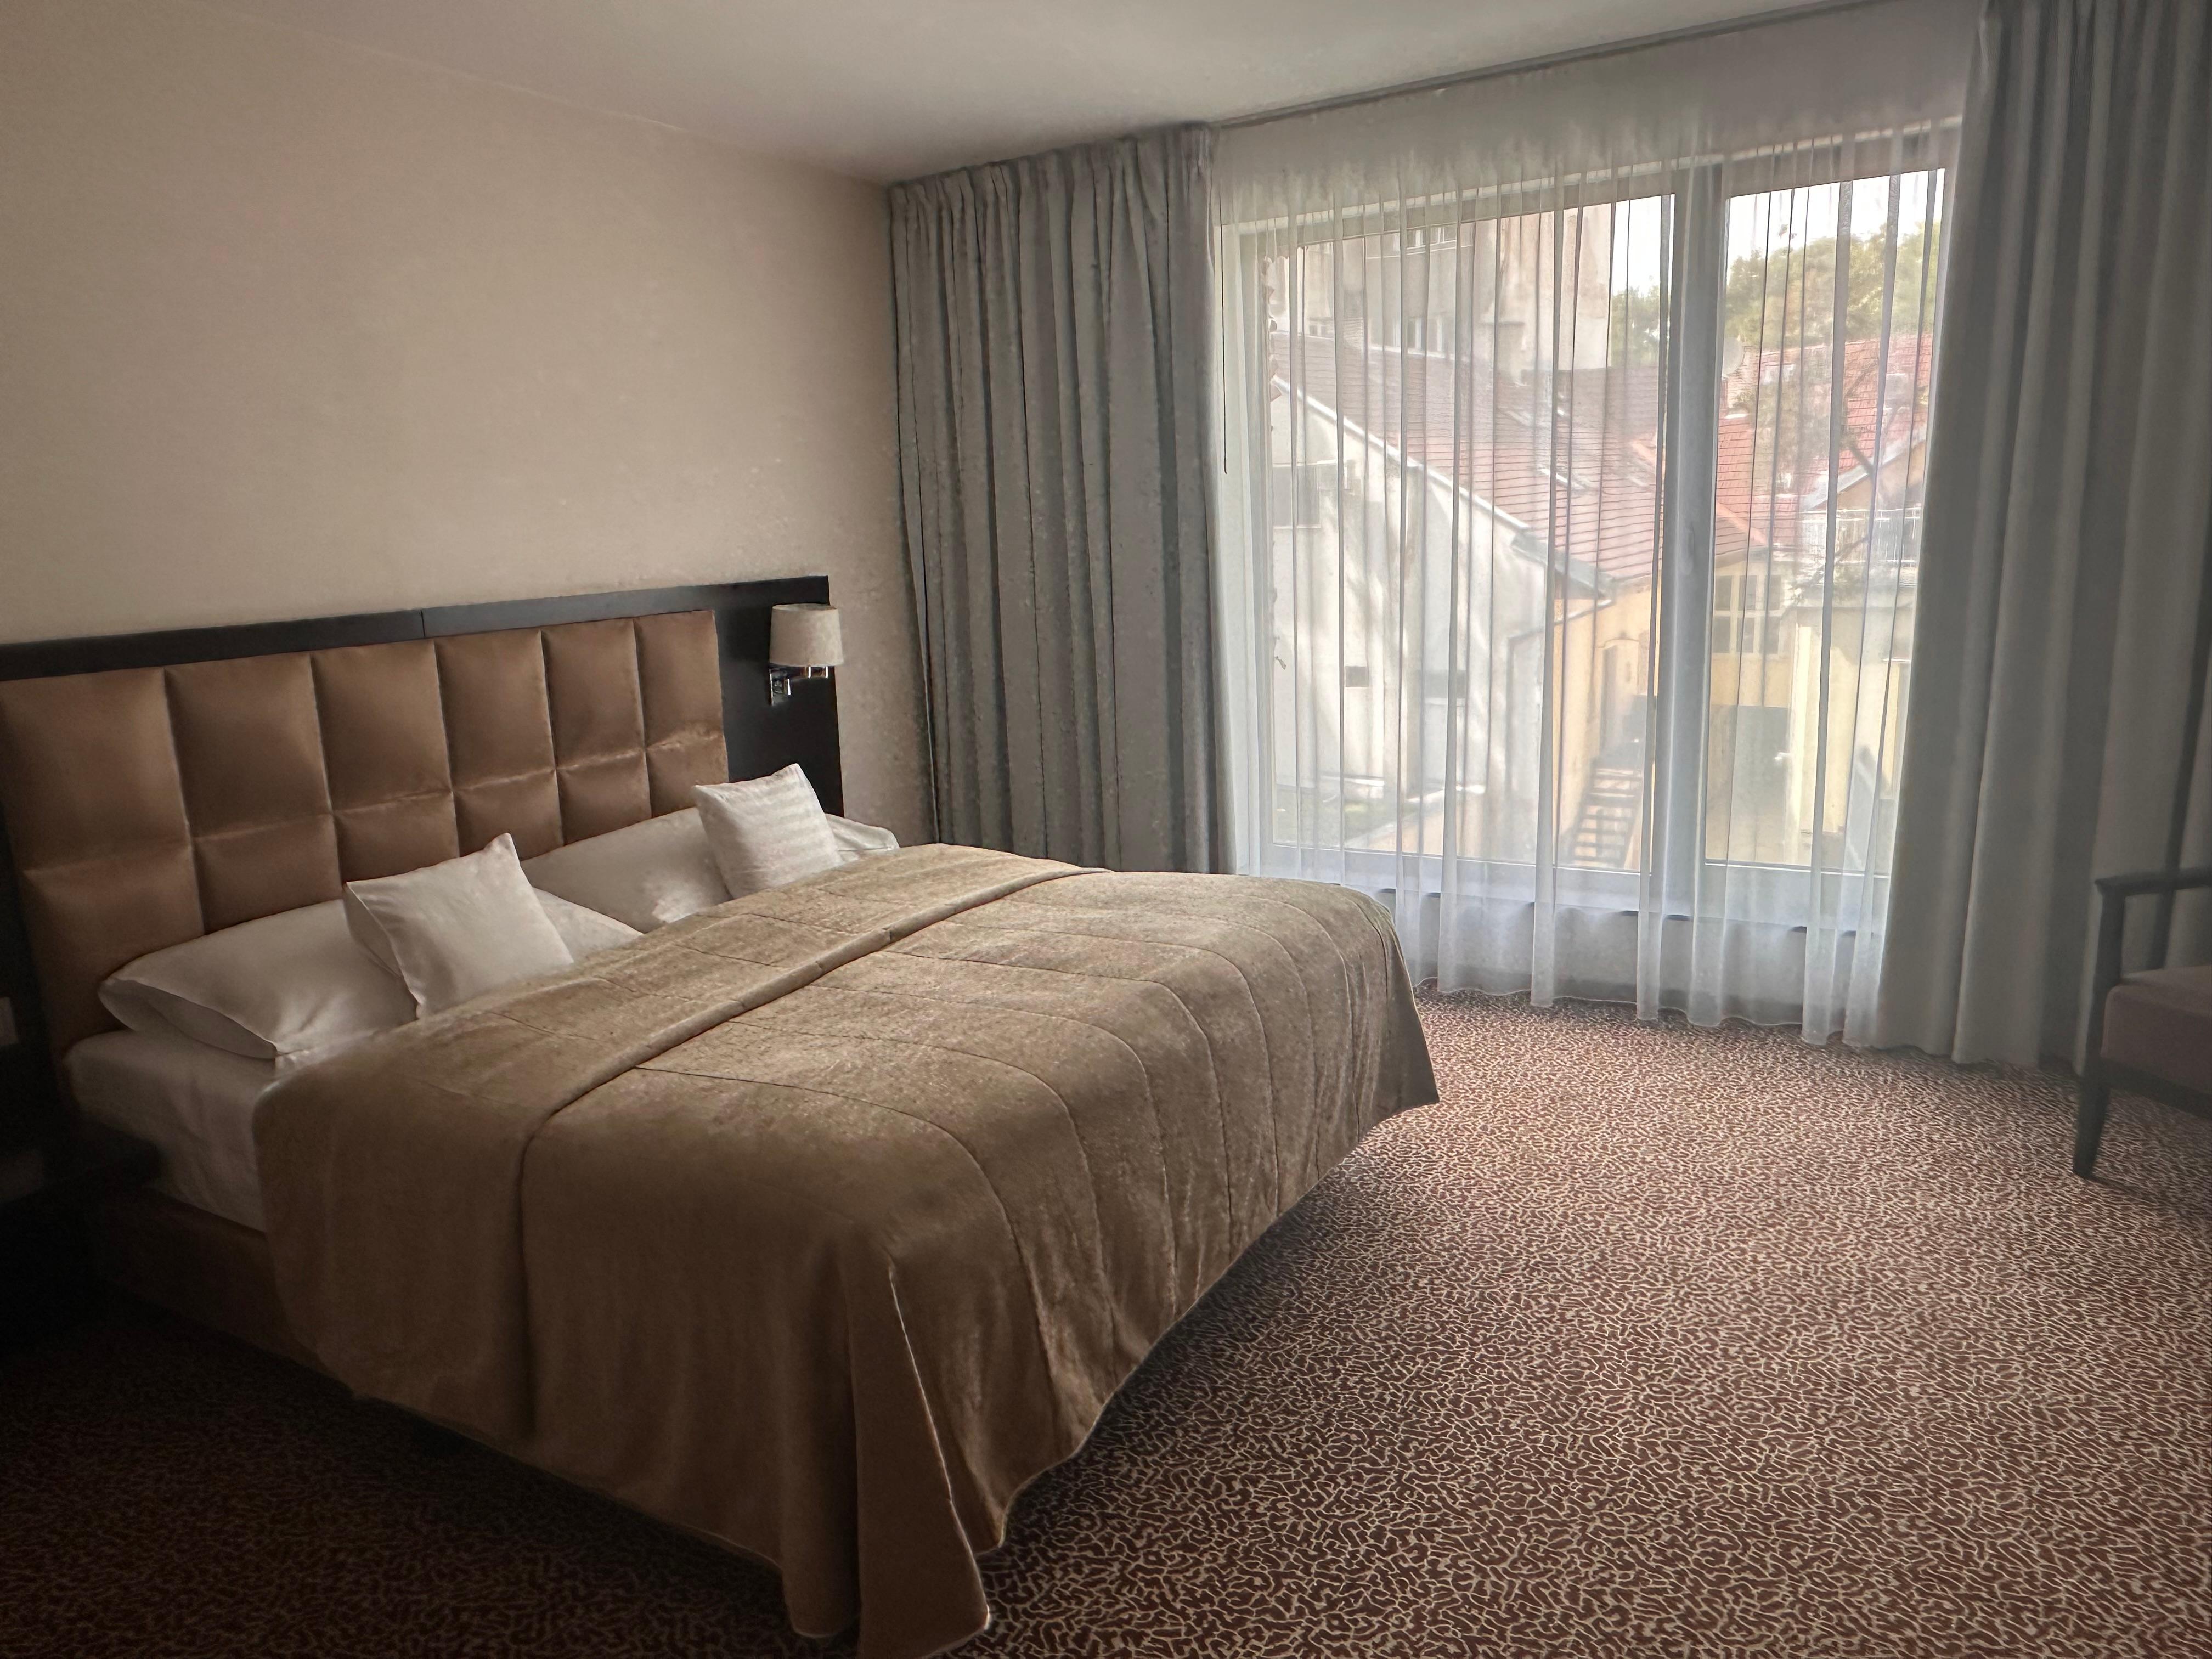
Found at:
(1829, 351)
(1463, 431)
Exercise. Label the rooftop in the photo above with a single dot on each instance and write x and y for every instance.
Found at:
(1573, 454)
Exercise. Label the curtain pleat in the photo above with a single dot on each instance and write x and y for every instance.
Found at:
(2072, 497)
(1053, 345)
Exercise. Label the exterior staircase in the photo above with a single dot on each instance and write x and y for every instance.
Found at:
(1604, 834)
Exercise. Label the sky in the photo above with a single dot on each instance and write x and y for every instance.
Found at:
(1766, 221)
(1772, 220)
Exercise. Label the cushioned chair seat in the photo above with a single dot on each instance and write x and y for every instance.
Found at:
(2161, 1022)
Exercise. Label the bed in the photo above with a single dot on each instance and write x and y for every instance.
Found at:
(817, 1223)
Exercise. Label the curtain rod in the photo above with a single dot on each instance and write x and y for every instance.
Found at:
(1551, 60)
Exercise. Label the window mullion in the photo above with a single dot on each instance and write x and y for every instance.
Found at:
(1685, 563)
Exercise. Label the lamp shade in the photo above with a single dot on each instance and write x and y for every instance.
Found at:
(805, 636)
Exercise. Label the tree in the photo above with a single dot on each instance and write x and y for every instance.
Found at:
(1785, 296)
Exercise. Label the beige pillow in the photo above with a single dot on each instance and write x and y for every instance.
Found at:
(647, 874)
(766, 831)
(289, 987)
(455, 930)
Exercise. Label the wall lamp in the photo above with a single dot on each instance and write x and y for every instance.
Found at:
(804, 643)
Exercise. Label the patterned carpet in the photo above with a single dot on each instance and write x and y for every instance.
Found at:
(1647, 1341)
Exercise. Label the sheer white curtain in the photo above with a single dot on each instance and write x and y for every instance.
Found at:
(1575, 425)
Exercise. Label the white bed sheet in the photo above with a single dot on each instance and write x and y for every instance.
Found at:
(193, 1102)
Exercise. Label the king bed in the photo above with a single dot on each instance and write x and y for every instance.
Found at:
(818, 1220)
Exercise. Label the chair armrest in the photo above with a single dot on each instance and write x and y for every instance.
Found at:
(2114, 892)
(2153, 881)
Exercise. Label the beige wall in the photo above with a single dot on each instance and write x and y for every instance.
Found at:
(288, 328)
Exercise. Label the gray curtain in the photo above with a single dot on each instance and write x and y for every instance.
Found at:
(2069, 499)
(1053, 355)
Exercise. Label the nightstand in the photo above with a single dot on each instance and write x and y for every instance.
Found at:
(49, 1182)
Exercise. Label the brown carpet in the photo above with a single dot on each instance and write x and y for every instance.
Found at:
(1647, 1341)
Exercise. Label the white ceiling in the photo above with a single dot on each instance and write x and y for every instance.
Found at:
(885, 90)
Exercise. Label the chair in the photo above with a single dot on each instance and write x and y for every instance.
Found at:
(2151, 1032)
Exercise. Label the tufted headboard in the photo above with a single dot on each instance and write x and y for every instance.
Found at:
(147, 804)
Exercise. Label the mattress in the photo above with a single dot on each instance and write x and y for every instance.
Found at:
(194, 1102)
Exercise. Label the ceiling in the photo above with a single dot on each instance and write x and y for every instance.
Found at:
(890, 89)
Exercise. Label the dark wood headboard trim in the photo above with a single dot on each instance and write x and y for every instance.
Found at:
(760, 738)
(805, 729)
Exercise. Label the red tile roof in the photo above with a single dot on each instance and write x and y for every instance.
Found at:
(1771, 463)
(1569, 456)
(1573, 454)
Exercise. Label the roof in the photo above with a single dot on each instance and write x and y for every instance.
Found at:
(1573, 454)
(1761, 485)
(1580, 476)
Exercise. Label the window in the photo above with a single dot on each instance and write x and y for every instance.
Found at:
(1756, 628)
(1828, 313)
(1616, 520)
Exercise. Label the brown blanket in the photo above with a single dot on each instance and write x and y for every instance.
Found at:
(820, 1223)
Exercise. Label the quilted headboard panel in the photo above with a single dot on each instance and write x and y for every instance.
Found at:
(147, 805)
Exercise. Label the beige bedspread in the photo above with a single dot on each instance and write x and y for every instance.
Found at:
(820, 1223)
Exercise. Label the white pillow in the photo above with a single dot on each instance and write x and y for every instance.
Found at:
(585, 932)
(645, 874)
(289, 987)
(857, 840)
(766, 831)
(455, 930)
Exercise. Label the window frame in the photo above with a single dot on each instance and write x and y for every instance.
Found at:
(1698, 193)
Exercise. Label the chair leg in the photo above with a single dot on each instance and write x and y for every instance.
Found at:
(2090, 1120)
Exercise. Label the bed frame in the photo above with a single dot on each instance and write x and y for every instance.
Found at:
(200, 1265)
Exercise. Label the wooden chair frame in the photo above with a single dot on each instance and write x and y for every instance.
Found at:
(2100, 1075)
